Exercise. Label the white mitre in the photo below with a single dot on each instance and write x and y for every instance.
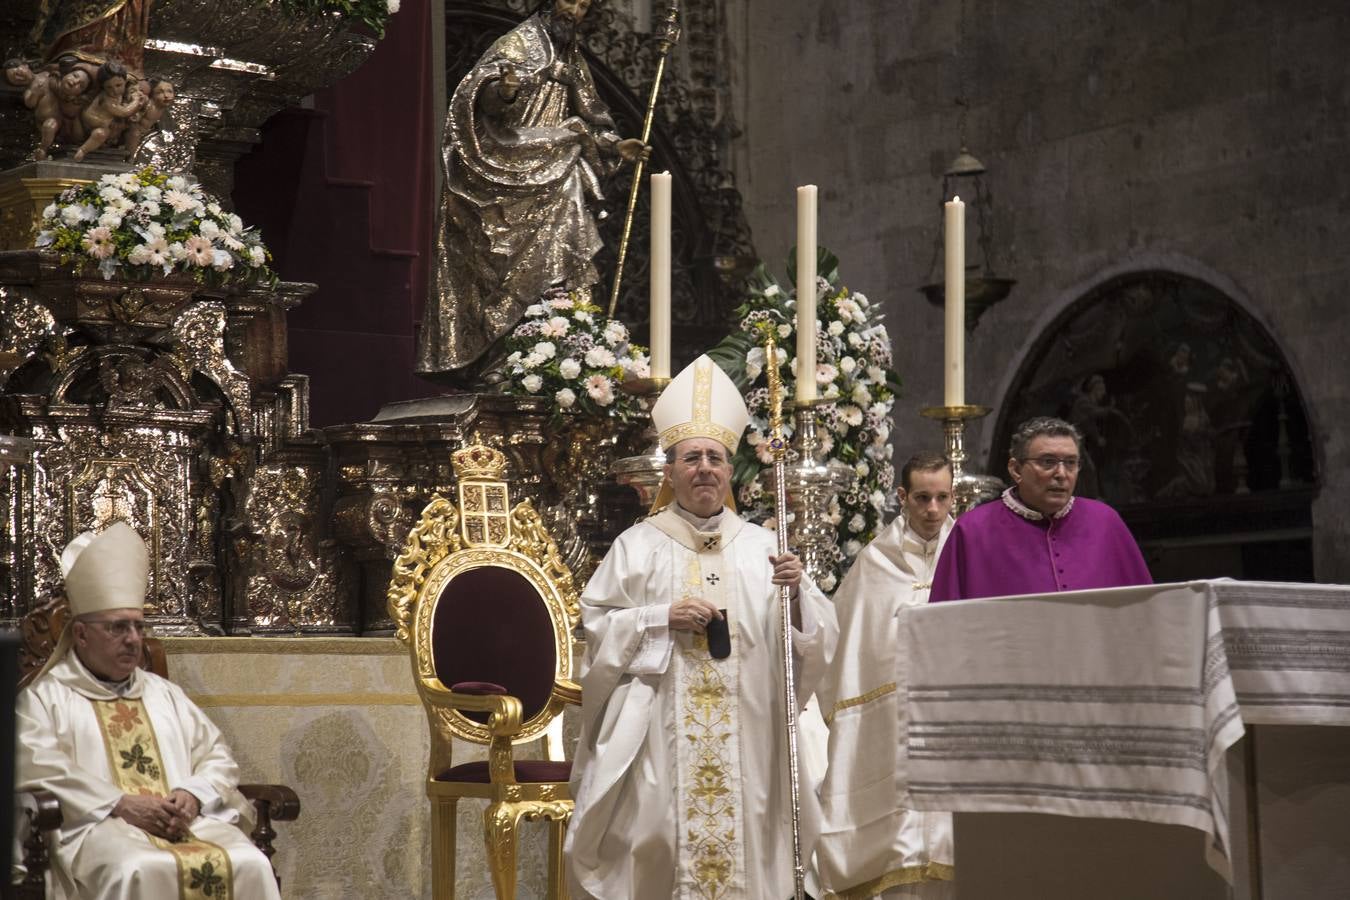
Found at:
(700, 402)
(103, 570)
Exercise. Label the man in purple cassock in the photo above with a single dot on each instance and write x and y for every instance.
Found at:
(1038, 538)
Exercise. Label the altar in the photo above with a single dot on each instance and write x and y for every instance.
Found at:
(1190, 707)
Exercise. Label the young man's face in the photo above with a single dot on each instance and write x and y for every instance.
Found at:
(928, 501)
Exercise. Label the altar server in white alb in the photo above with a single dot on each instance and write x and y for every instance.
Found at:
(680, 778)
(871, 845)
(146, 785)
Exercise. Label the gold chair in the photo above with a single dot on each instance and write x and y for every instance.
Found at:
(486, 606)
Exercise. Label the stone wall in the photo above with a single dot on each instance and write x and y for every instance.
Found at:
(1206, 137)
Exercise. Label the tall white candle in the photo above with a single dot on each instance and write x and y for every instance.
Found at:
(806, 292)
(660, 272)
(954, 271)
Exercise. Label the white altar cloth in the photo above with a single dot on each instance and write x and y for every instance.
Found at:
(1117, 703)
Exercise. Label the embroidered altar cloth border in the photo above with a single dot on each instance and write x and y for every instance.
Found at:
(1117, 703)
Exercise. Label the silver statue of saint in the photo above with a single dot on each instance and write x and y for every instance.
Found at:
(526, 142)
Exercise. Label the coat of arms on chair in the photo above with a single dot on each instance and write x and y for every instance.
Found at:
(486, 605)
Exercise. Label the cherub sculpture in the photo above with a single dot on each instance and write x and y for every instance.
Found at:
(107, 115)
(161, 96)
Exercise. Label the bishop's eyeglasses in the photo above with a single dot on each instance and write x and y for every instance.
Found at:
(120, 628)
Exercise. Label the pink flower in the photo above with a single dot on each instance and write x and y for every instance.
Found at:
(601, 389)
(199, 251)
(555, 327)
(98, 242)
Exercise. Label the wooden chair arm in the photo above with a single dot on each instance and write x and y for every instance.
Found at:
(44, 815)
(283, 804)
(567, 691)
(271, 802)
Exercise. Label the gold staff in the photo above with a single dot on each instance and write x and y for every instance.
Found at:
(778, 444)
(669, 36)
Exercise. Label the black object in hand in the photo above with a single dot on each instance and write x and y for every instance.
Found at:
(719, 637)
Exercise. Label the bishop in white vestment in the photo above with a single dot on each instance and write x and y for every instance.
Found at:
(680, 778)
(870, 845)
(147, 786)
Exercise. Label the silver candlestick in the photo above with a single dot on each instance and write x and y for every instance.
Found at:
(812, 482)
(969, 489)
(643, 473)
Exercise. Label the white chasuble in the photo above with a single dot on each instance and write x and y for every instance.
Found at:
(152, 733)
(680, 777)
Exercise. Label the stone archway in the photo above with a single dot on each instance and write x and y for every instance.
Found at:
(1194, 424)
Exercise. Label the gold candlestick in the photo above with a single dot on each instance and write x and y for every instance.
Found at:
(969, 489)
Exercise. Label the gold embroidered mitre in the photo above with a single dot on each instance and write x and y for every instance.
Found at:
(703, 402)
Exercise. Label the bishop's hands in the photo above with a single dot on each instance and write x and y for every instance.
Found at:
(692, 614)
(787, 570)
(164, 817)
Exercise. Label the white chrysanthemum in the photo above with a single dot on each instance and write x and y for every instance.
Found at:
(71, 216)
(108, 180)
(111, 218)
(565, 397)
(784, 331)
(862, 468)
(754, 362)
(600, 357)
(127, 181)
(50, 211)
(847, 365)
(179, 201)
(582, 315)
(836, 328)
(546, 349)
(110, 193)
(851, 414)
(209, 229)
(221, 260)
(855, 340)
(391, 6)
(233, 224)
(213, 208)
(569, 368)
(139, 255)
(532, 383)
(230, 242)
(151, 193)
(878, 500)
(149, 207)
(534, 309)
(861, 395)
(615, 333)
(531, 360)
(772, 291)
(177, 252)
(177, 183)
(831, 391)
(256, 256)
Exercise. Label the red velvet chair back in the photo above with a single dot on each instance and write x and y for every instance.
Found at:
(492, 625)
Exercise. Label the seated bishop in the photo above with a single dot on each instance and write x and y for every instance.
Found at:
(680, 774)
(147, 787)
(1038, 538)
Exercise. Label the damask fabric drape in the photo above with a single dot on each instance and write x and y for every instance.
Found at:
(871, 844)
(1117, 703)
(519, 177)
(62, 749)
(680, 775)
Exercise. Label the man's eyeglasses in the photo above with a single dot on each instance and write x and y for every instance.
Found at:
(714, 458)
(1048, 464)
(120, 628)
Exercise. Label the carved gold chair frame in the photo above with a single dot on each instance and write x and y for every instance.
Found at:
(483, 537)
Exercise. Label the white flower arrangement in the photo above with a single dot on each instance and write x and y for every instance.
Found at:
(566, 350)
(146, 224)
(853, 370)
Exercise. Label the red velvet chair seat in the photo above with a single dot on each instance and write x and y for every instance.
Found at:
(527, 771)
